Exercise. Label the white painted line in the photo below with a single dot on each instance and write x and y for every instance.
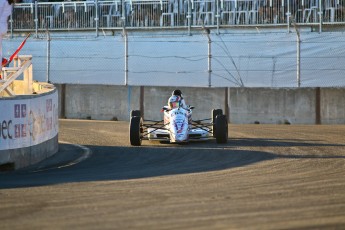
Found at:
(86, 154)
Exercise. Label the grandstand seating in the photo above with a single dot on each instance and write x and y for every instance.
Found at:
(172, 13)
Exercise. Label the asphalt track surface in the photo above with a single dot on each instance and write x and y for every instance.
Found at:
(265, 177)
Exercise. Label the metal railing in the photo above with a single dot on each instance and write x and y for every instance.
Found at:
(117, 14)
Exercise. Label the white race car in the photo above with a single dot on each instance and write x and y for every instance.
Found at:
(178, 127)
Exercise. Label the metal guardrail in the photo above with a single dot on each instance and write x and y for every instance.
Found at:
(117, 14)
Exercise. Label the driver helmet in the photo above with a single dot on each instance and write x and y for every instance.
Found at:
(177, 92)
(174, 102)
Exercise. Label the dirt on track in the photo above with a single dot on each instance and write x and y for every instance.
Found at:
(265, 177)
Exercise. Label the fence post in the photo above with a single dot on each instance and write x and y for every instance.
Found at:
(320, 16)
(96, 17)
(288, 15)
(36, 19)
(298, 54)
(123, 15)
(124, 33)
(209, 56)
(217, 15)
(298, 59)
(189, 16)
(11, 23)
(48, 56)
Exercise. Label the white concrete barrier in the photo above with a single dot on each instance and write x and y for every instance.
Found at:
(29, 126)
(242, 105)
(273, 105)
(332, 102)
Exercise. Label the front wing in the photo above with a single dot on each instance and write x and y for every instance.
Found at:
(157, 130)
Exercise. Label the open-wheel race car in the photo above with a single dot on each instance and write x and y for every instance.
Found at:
(178, 127)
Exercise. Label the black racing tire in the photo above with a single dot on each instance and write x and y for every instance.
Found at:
(215, 113)
(221, 129)
(135, 131)
(135, 113)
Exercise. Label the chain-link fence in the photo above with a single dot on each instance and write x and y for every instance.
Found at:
(251, 58)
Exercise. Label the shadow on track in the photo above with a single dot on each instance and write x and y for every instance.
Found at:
(123, 163)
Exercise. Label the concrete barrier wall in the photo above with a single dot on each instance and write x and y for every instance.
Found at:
(98, 102)
(22, 157)
(242, 105)
(203, 99)
(273, 105)
(29, 126)
(333, 106)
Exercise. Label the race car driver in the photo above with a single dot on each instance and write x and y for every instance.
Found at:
(177, 100)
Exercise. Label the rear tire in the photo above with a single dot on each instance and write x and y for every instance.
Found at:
(136, 113)
(135, 131)
(215, 113)
(221, 129)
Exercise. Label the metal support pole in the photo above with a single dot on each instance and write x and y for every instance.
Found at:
(123, 16)
(189, 16)
(320, 16)
(36, 20)
(11, 23)
(209, 63)
(209, 57)
(126, 56)
(288, 15)
(217, 15)
(298, 54)
(48, 56)
(298, 59)
(96, 17)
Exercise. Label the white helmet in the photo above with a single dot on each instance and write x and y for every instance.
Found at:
(174, 102)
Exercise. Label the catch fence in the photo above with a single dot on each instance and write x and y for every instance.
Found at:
(256, 58)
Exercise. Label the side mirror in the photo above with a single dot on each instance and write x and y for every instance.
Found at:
(191, 107)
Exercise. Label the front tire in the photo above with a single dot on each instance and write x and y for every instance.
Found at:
(215, 113)
(221, 129)
(135, 131)
(135, 113)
